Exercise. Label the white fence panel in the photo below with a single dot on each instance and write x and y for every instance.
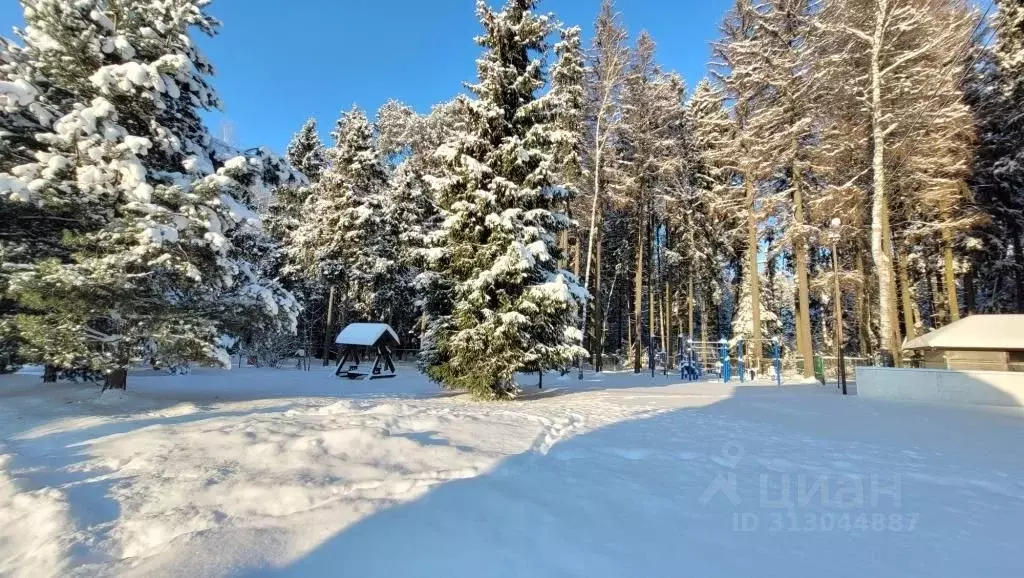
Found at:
(1002, 388)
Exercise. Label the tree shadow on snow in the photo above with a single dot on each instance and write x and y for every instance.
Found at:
(679, 493)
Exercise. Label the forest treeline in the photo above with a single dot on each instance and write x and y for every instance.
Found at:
(579, 203)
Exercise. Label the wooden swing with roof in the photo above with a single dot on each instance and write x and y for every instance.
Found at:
(360, 336)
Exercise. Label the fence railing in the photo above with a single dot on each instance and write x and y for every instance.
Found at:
(826, 367)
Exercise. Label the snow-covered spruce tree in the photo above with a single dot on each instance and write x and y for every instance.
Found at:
(409, 140)
(512, 309)
(307, 154)
(341, 240)
(306, 151)
(399, 130)
(408, 217)
(403, 135)
(158, 275)
(411, 216)
(262, 256)
(30, 231)
(567, 102)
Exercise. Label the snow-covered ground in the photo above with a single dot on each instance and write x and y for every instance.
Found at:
(287, 473)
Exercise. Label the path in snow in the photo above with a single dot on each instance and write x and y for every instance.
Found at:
(287, 473)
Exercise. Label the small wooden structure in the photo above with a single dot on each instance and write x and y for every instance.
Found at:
(978, 342)
(359, 336)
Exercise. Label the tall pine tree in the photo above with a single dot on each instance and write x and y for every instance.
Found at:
(161, 272)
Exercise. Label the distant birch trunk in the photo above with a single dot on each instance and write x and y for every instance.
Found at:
(879, 200)
(803, 315)
(753, 274)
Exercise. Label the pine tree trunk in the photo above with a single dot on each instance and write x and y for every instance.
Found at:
(972, 307)
(117, 379)
(576, 258)
(689, 307)
(628, 322)
(918, 316)
(930, 297)
(754, 276)
(638, 293)
(803, 315)
(622, 300)
(905, 295)
(952, 301)
(563, 249)
(703, 321)
(666, 325)
(49, 373)
(894, 311)
(329, 328)
(863, 311)
(1018, 259)
(652, 290)
(940, 308)
(879, 201)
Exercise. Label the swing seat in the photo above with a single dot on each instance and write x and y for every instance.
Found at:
(354, 375)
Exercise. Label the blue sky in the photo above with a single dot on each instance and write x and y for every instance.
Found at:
(279, 63)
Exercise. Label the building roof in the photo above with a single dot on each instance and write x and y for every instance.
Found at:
(365, 334)
(977, 332)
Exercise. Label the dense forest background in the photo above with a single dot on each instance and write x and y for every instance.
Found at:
(577, 204)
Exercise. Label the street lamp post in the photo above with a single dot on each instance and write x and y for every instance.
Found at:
(833, 235)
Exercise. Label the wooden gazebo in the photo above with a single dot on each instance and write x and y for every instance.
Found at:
(358, 337)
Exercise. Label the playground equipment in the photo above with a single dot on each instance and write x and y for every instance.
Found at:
(698, 359)
(358, 336)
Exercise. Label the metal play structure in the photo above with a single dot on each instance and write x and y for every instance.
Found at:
(360, 336)
(699, 360)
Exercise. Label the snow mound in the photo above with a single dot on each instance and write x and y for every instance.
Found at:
(34, 536)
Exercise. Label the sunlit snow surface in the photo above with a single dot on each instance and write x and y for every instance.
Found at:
(258, 472)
